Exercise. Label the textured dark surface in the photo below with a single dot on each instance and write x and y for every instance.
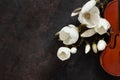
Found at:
(28, 46)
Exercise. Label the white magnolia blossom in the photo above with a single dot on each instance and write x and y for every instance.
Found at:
(63, 53)
(101, 45)
(73, 50)
(101, 29)
(103, 26)
(87, 48)
(69, 34)
(94, 48)
(89, 14)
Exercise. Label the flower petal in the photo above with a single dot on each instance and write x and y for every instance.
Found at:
(67, 41)
(91, 26)
(74, 35)
(81, 18)
(95, 10)
(63, 35)
(76, 12)
(90, 4)
(73, 26)
(105, 23)
(95, 19)
(100, 30)
(88, 33)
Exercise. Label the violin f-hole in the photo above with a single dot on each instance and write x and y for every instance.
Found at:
(113, 46)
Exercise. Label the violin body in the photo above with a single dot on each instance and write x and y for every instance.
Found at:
(111, 61)
(110, 57)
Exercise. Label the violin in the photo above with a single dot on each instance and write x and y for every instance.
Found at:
(110, 57)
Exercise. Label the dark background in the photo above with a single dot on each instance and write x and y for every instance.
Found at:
(28, 45)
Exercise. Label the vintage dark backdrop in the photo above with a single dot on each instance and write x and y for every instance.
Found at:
(28, 46)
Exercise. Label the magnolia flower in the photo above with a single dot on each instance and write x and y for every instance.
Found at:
(101, 45)
(73, 50)
(94, 48)
(89, 14)
(87, 48)
(63, 53)
(102, 27)
(69, 34)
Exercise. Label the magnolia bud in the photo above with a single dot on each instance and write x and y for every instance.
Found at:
(73, 50)
(101, 45)
(87, 48)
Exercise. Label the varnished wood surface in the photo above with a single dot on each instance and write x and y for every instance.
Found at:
(28, 46)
